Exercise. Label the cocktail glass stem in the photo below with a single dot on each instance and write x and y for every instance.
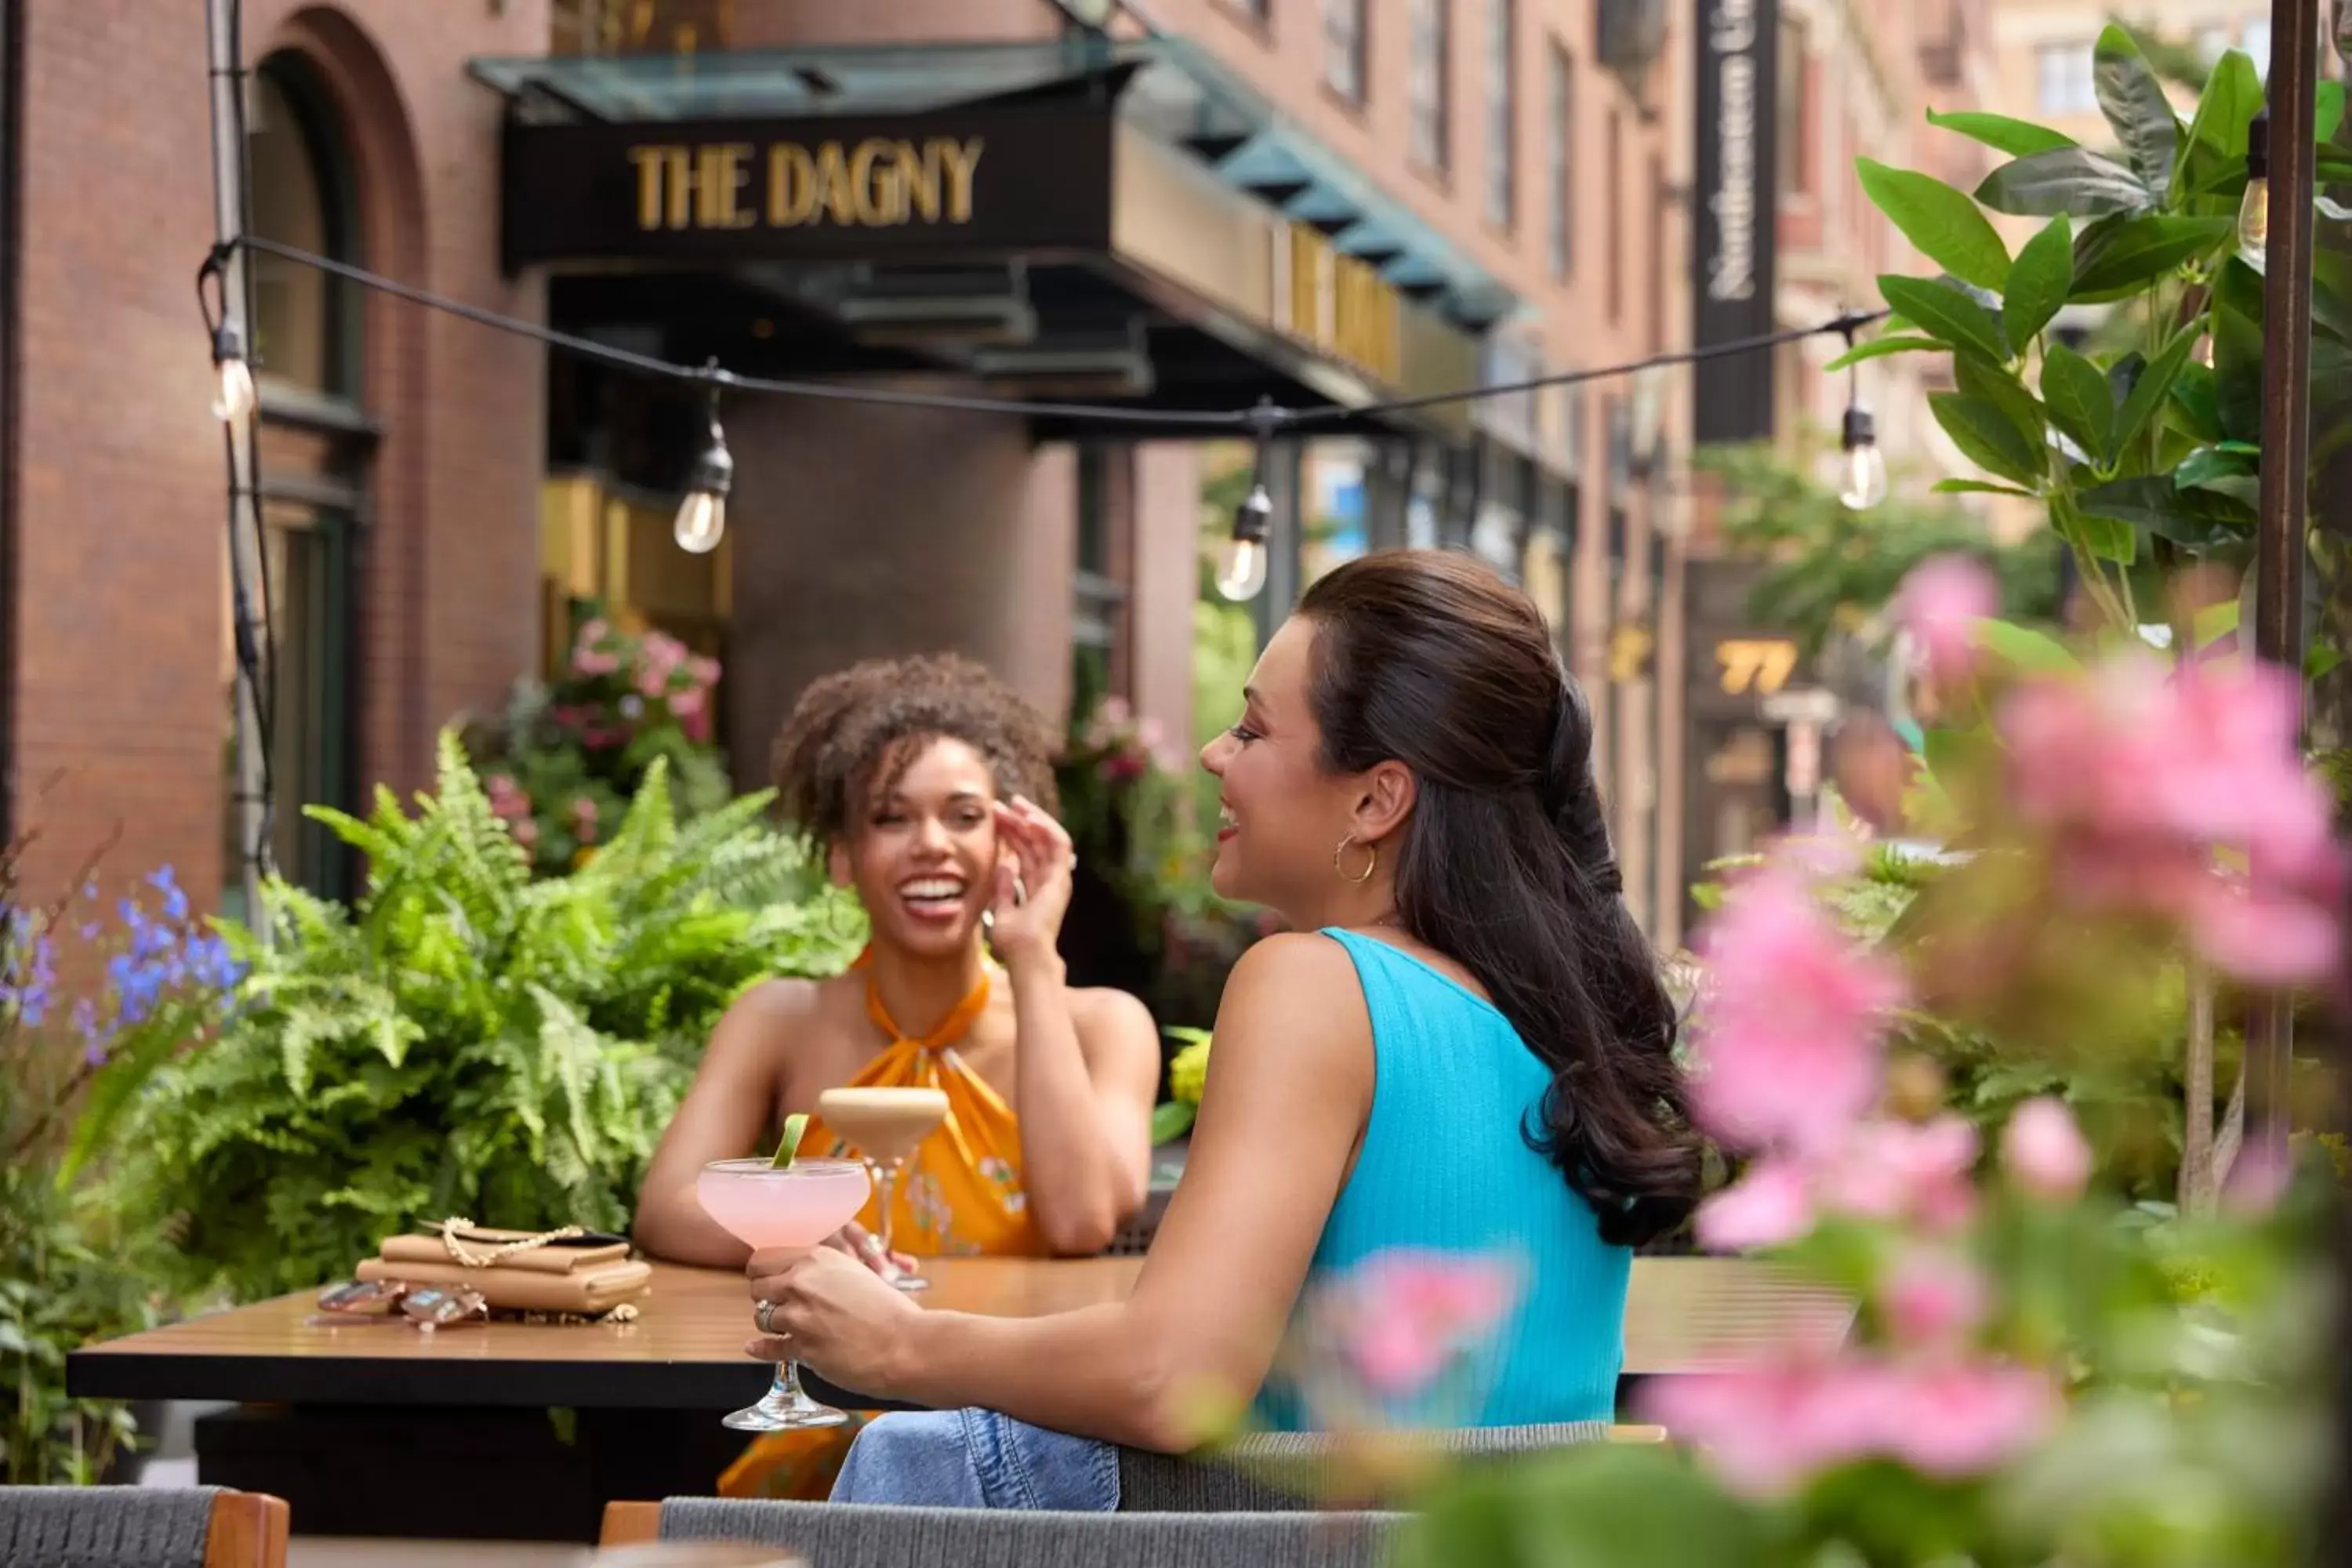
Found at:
(786, 1407)
(885, 1186)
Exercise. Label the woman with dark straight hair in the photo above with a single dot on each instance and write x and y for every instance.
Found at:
(1463, 1046)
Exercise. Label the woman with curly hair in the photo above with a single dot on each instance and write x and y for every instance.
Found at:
(928, 786)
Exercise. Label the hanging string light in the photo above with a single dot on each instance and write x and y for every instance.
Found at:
(702, 515)
(1242, 563)
(233, 404)
(2254, 207)
(1863, 472)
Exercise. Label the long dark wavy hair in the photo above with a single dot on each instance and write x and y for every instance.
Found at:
(1429, 658)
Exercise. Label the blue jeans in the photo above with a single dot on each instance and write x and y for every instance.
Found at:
(977, 1458)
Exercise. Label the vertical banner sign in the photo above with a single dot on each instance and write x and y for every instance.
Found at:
(1733, 220)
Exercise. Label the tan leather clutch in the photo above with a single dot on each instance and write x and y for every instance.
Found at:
(591, 1291)
(538, 1260)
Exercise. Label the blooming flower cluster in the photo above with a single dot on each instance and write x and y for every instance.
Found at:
(1123, 746)
(156, 961)
(620, 684)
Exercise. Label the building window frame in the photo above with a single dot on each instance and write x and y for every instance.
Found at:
(2066, 77)
(1098, 594)
(1560, 160)
(1429, 97)
(316, 448)
(1347, 56)
(1501, 114)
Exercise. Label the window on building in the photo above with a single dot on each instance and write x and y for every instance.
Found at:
(1560, 159)
(2212, 42)
(1789, 117)
(1502, 111)
(1612, 151)
(1430, 63)
(314, 448)
(2063, 79)
(1344, 49)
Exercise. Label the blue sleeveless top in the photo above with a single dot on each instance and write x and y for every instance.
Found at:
(1445, 1167)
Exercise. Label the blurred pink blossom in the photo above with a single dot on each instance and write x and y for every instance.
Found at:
(1933, 1296)
(1768, 1206)
(703, 669)
(1404, 1314)
(2044, 1153)
(592, 631)
(1770, 1430)
(1966, 1419)
(593, 661)
(1940, 605)
(651, 682)
(526, 832)
(507, 799)
(682, 703)
(1917, 1172)
(2258, 1179)
(2142, 774)
(1787, 1029)
(583, 819)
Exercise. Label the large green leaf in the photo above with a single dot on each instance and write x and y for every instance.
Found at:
(1880, 347)
(2017, 138)
(1981, 379)
(2224, 470)
(2120, 256)
(2152, 504)
(1989, 438)
(2036, 653)
(1944, 224)
(2154, 386)
(2038, 282)
(2133, 100)
(2194, 407)
(2076, 391)
(2237, 322)
(2327, 112)
(2216, 141)
(1943, 313)
(2071, 180)
(1978, 487)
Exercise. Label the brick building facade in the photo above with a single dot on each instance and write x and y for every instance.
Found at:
(421, 473)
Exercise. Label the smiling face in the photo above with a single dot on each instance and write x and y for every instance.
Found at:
(1283, 815)
(923, 857)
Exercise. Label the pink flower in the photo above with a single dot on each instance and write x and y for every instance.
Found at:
(1787, 1031)
(583, 819)
(1917, 1172)
(594, 662)
(702, 670)
(1933, 1296)
(2044, 1150)
(1964, 1419)
(507, 799)
(2263, 934)
(652, 682)
(696, 722)
(1768, 1206)
(1940, 605)
(2258, 1179)
(1150, 735)
(592, 631)
(1404, 1314)
(689, 701)
(526, 833)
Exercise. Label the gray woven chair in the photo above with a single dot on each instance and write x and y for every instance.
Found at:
(853, 1535)
(1291, 1471)
(133, 1527)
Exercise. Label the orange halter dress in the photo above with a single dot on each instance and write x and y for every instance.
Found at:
(958, 1194)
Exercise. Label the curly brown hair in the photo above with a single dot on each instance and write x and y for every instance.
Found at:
(853, 733)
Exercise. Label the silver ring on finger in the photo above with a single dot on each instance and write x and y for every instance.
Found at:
(762, 1313)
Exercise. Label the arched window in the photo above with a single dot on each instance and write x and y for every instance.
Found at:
(316, 443)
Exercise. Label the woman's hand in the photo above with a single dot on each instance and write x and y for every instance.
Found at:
(833, 1314)
(1032, 888)
(860, 1243)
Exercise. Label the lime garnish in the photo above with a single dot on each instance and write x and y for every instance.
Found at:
(789, 1144)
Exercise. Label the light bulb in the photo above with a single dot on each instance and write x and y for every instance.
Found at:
(1241, 568)
(702, 515)
(1241, 564)
(2254, 218)
(234, 402)
(701, 522)
(2255, 206)
(1863, 467)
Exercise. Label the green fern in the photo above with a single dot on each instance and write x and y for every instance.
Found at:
(464, 1040)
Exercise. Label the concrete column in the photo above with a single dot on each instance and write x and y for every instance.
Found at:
(862, 532)
(1163, 584)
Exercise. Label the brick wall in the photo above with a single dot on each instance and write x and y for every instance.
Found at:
(119, 706)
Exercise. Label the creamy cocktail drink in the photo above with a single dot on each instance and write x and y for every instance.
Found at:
(886, 1125)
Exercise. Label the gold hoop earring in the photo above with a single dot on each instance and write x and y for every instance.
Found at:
(1372, 860)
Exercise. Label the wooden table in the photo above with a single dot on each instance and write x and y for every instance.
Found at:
(354, 1425)
(686, 1352)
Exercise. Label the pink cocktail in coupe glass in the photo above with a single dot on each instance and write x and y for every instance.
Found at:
(791, 1208)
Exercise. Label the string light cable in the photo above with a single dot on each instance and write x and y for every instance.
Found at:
(701, 519)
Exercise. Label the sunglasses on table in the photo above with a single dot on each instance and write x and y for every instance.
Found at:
(426, 1307)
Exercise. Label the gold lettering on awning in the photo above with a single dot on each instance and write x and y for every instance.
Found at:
(878, 183)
